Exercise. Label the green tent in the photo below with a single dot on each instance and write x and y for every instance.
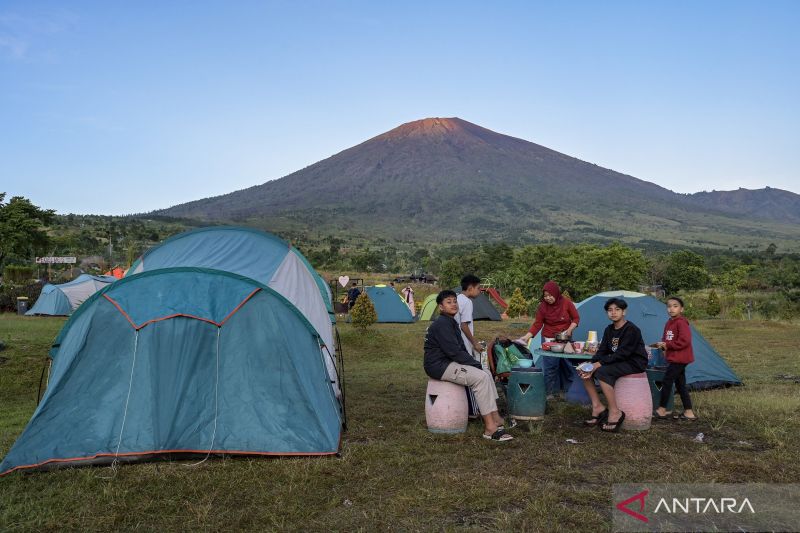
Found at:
(429, 308)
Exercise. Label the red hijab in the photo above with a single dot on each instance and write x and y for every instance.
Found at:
(552, 312)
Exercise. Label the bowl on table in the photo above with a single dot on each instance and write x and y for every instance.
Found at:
(524, 363)
(557, 348)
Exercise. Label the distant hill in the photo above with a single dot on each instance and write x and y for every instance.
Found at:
(767, 203)
(446, 179)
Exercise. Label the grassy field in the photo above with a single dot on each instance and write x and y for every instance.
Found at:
(393, 474)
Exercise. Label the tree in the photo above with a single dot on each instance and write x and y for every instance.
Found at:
(21, 227)
(685, 271)
(363, 312)
(517, 306)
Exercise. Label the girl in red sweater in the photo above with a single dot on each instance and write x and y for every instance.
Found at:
(677, 344)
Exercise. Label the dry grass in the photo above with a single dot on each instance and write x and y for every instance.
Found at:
(393, 474)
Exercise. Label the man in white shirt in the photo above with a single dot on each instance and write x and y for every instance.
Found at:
(470, 288)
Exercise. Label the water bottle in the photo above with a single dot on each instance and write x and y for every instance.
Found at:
(484, 355)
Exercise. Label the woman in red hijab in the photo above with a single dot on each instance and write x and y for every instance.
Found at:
(555, 314)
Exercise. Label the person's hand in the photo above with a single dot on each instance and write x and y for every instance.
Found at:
(477, 346)
(661, 345)
(587, 375)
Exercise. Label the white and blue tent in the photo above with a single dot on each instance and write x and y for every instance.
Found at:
(64, 298)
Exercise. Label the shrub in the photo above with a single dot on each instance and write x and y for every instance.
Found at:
(713, 306)
(18, 274)
(517, 305)
(9, 294)
(363, 312)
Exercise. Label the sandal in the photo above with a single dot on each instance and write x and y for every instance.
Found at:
(499, 435)
(512, 425)
(597, 420)
(689, 418)
(665, 416)
(614, 427)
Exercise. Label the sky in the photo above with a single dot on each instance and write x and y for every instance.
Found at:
(126, 107)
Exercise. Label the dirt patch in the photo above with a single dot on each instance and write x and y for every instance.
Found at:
(788, 377)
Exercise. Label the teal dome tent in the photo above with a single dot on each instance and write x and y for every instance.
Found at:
(182, 360)
(260, 256)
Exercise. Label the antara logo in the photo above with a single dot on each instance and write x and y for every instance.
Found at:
(684, 505)
(623, 506)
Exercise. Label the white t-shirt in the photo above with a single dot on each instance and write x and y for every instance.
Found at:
(465, 315)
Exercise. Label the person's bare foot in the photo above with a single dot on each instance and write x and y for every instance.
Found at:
(662, 412)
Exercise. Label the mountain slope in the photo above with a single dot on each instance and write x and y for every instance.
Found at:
(767, 203)
(446, 178)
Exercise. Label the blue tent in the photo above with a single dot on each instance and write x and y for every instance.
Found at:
(649, 314)
(63, 299)
(389, 305)
(182, 360)
(257, 255)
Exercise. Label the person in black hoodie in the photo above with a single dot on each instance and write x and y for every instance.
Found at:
(447, 359)
(621, 352)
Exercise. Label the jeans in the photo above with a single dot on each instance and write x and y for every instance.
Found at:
(558, 374)
(676, 373)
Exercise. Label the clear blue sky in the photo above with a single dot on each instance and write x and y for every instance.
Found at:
(123, 107)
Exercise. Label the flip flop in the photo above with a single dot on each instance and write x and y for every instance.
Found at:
(615, 426)
(689, 418)
(511, 425)
(665, 416)
(499, 436)
(597, 420)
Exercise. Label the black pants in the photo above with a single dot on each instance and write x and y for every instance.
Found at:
(676, 373)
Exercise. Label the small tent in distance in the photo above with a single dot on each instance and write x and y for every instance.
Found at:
(429, 308)
(389, 306)
(64, 298)
(709, 369)
(482, 308)
(182, 360)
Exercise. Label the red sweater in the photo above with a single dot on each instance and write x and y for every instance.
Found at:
(557, 322)
(678, 337)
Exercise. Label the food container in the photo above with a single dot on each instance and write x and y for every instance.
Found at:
(586, 367)
(592, 337)
(591, 347)
(557, 348)
(524, 363)
(563, 337)
(578, 345)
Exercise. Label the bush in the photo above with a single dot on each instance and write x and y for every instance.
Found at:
(18, 274)
(517, 305)
(713, 307)
(9, 294)
(363, 312)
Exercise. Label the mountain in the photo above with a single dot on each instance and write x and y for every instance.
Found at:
(767, 203)
(446, 179)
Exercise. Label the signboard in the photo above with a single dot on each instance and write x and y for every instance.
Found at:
(56, 260)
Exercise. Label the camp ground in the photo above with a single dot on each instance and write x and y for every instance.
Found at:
(709, 369)
(182, 360)
(64, 298)
(389, 305)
